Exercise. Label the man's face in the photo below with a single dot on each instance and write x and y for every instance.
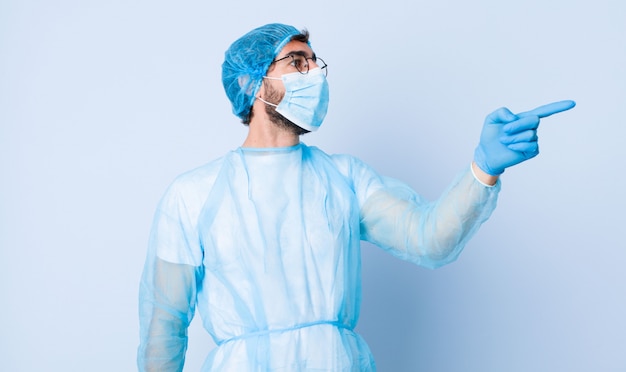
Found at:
(273, 90)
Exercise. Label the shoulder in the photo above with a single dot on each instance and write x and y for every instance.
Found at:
(202, 175)
(362, 177)
(193, 186)
(345, 163)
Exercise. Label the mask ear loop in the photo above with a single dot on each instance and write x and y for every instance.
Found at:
(267, 103)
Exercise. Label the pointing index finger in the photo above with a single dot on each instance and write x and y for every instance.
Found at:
(549, 109)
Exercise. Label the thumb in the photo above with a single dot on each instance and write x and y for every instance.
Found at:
(501, 115)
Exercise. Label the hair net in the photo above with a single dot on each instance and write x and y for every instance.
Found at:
(247, 60)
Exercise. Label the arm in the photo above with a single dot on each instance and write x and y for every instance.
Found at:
(434, 234)
(166, 306)
(430, 234)
(170, 281)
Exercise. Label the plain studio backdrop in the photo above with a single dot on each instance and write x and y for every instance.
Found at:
(103, 103)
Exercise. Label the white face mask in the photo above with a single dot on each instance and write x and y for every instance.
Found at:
(305, 102)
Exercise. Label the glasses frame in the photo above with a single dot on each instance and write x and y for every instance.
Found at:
(315, 59)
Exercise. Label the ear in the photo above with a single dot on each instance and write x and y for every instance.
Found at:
(247, 85)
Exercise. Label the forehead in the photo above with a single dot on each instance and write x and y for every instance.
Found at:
(296, 47)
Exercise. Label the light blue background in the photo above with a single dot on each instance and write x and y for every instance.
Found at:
(103, 103)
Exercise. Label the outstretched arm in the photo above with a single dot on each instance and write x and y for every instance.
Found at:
(433, 234)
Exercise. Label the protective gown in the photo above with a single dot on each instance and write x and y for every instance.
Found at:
(265, 242)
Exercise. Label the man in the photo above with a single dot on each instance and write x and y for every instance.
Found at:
(265, 240)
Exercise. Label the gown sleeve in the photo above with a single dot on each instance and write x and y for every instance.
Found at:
(169, 284)
(429, 234)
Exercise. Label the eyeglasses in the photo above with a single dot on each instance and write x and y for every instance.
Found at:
(301, 63)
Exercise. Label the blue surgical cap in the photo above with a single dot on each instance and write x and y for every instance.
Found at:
(246, 61)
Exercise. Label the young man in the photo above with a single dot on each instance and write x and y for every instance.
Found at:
(265, 240)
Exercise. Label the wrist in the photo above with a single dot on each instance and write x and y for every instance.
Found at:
(482, 176)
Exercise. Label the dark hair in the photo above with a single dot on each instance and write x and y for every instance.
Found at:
(303, 36)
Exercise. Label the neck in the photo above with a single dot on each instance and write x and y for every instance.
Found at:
(265, 138)
(262, 132)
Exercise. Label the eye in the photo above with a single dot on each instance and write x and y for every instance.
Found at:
(298, 62)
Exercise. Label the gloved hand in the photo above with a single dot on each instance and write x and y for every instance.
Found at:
(509, 139)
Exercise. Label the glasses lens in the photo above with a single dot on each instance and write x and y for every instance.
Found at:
(302, 63)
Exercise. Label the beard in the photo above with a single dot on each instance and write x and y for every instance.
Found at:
(272, 95)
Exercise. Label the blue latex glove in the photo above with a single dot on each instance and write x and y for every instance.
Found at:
(508, 139)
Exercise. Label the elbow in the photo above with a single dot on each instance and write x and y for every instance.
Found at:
(436, 258)
(442, 246)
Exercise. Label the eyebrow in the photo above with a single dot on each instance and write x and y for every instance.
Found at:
(300, 53)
